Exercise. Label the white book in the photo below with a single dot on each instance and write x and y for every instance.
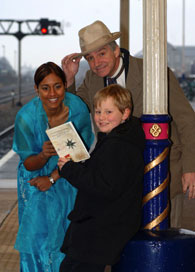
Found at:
(67, 142)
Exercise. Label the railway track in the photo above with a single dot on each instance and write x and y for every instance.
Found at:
(6, 139)
(9, 107)
(12, 97)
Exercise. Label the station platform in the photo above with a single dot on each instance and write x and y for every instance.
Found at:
(9, 257)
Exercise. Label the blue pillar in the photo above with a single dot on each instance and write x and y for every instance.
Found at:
(155, 247)
(156, 178)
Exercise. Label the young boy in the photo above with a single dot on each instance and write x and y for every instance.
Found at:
(107, 210)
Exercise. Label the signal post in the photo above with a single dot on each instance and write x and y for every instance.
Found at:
(40, 27)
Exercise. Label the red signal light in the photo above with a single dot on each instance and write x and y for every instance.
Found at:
(44, 30)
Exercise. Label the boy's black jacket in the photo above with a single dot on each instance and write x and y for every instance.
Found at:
(107, 210)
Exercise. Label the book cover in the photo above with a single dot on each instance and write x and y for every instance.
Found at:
(67, 142)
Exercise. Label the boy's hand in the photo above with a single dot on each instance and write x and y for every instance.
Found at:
(63, 160)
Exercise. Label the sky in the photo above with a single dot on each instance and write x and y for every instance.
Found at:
(76, 14)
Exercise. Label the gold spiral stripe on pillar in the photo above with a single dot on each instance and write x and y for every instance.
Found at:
(158, 219)
(156, 191)
(157, 161)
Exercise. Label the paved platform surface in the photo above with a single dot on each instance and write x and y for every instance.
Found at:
(9, 258)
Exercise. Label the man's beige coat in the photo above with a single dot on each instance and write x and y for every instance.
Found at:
(182, 125)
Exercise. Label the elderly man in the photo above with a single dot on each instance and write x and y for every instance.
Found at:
(111, 64)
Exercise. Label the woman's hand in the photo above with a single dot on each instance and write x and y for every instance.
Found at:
(41, 183)
(36, 162)
(48, 150)
(62, 161)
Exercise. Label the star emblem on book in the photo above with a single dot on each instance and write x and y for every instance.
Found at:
(70, 144)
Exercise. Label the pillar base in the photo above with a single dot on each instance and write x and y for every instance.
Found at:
(163, 251)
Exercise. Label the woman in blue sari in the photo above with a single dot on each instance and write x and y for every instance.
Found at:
(45, 199)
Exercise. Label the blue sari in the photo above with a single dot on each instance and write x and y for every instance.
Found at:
(43, 215)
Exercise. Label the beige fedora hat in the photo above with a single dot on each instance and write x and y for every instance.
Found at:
(95, 36)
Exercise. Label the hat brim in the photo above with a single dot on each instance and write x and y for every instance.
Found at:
(96, 46)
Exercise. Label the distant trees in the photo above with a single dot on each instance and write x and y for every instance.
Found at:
(9, 76)
(188, 86)
(7, 73)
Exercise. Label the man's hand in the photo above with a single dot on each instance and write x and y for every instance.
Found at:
(70, 66)
(188, 182)
(41, 183)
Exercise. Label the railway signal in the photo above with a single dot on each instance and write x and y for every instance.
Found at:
(44, 26)
(23, 28)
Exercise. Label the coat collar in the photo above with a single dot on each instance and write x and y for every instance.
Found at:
(131, 70)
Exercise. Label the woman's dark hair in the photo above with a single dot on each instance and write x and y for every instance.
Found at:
(47, 68)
